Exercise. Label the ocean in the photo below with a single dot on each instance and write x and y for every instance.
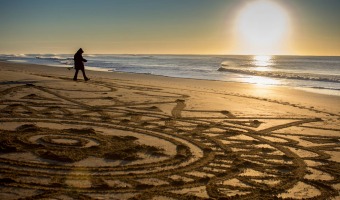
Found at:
(320, 74)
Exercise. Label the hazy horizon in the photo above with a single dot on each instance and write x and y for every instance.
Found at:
(160, 54)
(190, 27)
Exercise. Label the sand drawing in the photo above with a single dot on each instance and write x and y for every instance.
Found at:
(113, 145)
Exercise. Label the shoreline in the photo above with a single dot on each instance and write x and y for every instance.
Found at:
(322, 91)
(278, 93)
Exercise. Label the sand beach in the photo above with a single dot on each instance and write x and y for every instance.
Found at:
(138, 136)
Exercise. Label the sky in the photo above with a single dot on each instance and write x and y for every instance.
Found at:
(310, 27)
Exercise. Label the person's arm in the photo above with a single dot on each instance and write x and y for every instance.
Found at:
(83, 59)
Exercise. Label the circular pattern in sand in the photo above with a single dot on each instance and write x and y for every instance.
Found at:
(106, 146)
(140, 150)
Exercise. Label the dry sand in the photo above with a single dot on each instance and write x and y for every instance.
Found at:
(135, 136)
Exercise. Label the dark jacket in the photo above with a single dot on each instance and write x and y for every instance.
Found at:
(78, 60)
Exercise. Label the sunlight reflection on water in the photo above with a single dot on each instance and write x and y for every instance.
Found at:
(262, 64)
(261, 80)
(263, 61)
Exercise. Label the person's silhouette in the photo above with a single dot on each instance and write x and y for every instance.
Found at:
(79, 64)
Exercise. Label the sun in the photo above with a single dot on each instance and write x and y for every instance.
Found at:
(262, 25)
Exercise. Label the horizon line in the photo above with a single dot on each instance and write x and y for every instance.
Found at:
(184, 54)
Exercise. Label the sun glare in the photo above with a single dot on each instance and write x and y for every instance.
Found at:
(262, 25)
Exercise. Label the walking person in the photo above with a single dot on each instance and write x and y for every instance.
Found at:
(79, 64)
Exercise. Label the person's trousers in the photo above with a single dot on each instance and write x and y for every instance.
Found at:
(76, 74)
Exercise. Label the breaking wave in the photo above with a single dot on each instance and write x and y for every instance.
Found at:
(283, 75)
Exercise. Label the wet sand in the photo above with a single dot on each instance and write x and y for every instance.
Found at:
(137, 136)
